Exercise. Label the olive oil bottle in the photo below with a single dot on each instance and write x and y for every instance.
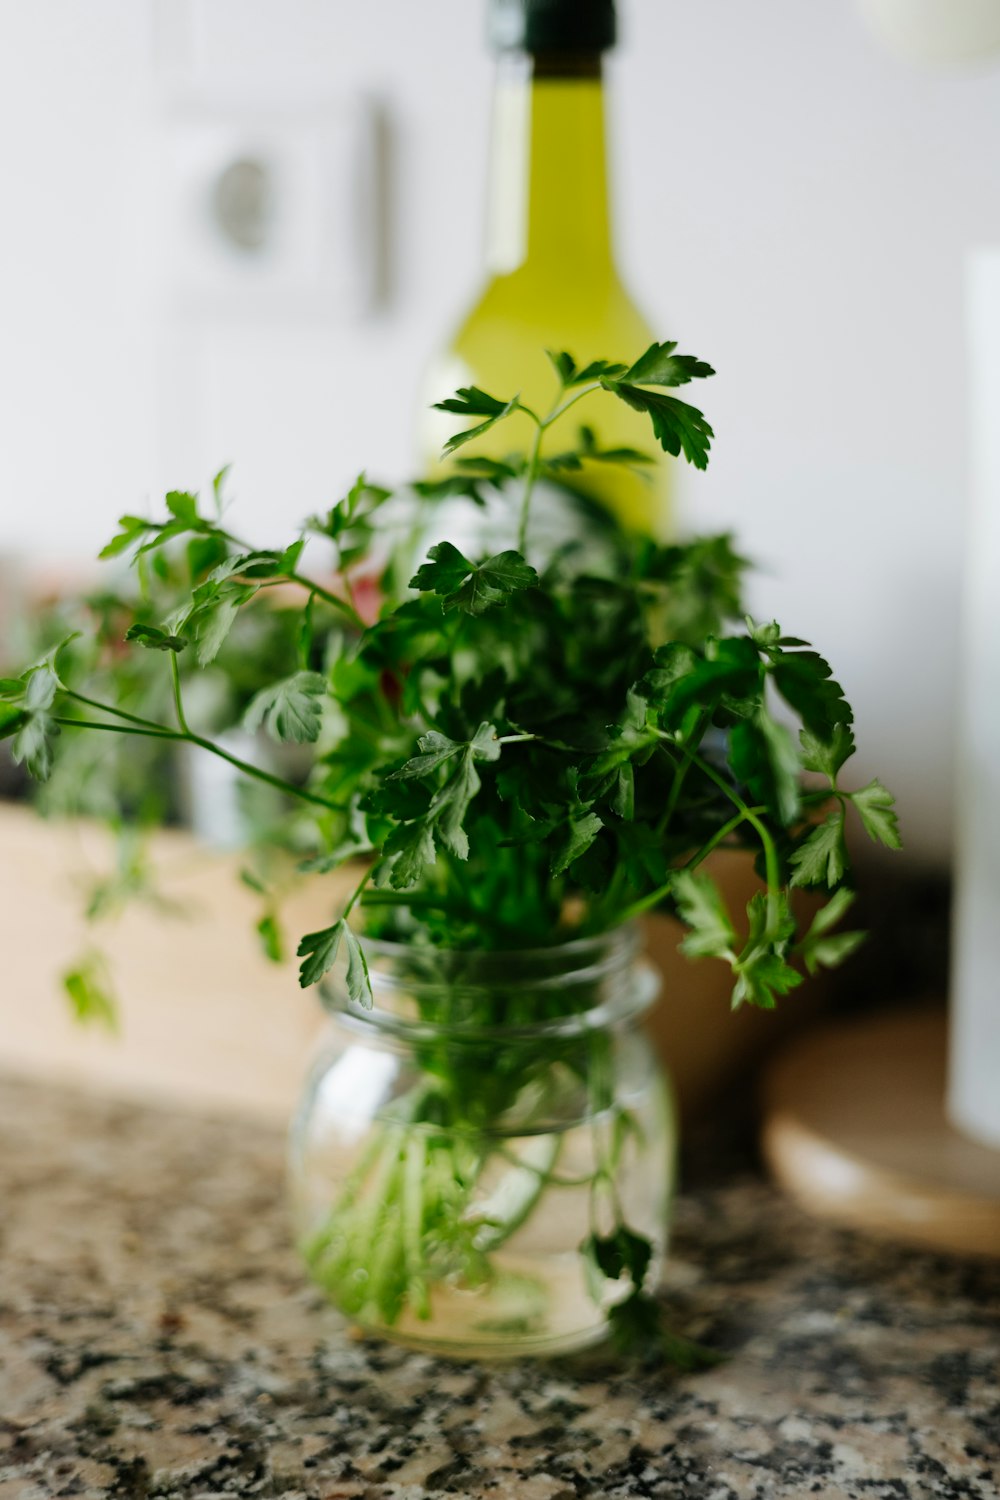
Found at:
(552, 282)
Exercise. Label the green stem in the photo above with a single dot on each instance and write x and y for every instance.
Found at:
(153, 734)
(175, 677)
(149, 730)
(752, 817)
(717, 838)
(358, 889)
(306, 583)
(529, 485)
(105, 707)
(333, 600)
(559, 411)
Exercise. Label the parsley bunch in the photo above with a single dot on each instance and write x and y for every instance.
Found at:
(517, 744)
(521, 747)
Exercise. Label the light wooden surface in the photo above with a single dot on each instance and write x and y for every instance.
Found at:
(207, 1020)
(855, 1128)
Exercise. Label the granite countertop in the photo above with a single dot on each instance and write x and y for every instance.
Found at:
(157, 1339)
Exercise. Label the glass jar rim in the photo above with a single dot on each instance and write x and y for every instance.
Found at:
(589, 965)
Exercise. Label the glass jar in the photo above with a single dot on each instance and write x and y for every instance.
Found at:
(458, 1144)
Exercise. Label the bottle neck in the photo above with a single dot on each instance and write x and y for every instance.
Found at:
(548, 204)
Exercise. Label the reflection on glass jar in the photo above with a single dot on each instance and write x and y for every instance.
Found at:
(459, 1146)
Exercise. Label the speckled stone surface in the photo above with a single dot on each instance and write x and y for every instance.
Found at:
(157, 1339)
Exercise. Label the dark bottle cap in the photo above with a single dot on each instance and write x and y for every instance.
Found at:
(568, 27)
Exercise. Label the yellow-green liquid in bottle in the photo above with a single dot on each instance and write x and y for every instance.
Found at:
(552, 284)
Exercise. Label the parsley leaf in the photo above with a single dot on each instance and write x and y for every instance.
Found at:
(639, 1329)
(290, 709)
(133, 529)
(661, 366)
(761, 970)
(678, 426)
(580, 833)
(406, 853)
(827, 754)
(154, 638)
(88, 986)
(700, 906)
(822, 857)
(472, 402)
(805, 681)
(623, 1252)
(821, 948)
(764, 758)
(874, 804)
(319, 950)
(444, 572)
(269, 932)
(472, 587)
(32, 745)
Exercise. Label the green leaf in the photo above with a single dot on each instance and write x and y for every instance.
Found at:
(218, 485)
(678, 426)
(499, 472)
(435, 749)
(762, 978)
(451, 487)
(639, 1330)
(349, 523)
(768, 635)
(700, 905)
(622, 798)
(32, 745)
(661, 366)
(407, 852)
(682, 679)
(874, 804)
(764, 758)
(591, 450)
(269, 932)
(804, 680)
(450, 805)
(492, 582)
(470, 401)
(212, 624)
(598, 369)
(761, 969)
(155, 639)
(621, 1253)
(822, 858)
(828, 754)
(40, 689)
(133, 529)
(88, 987)
(472, 587)
(579, 835)
(564, 365)
(444, 572)
(821, 948)
(183, 507)
(318, 950)
(485, 744)
(359, 987)
(290, 710)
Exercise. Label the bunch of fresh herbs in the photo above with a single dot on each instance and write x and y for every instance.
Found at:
(515, 746)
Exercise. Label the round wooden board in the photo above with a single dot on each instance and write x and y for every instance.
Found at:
(854, 1127)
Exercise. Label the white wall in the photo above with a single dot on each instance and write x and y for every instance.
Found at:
(794, 204)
